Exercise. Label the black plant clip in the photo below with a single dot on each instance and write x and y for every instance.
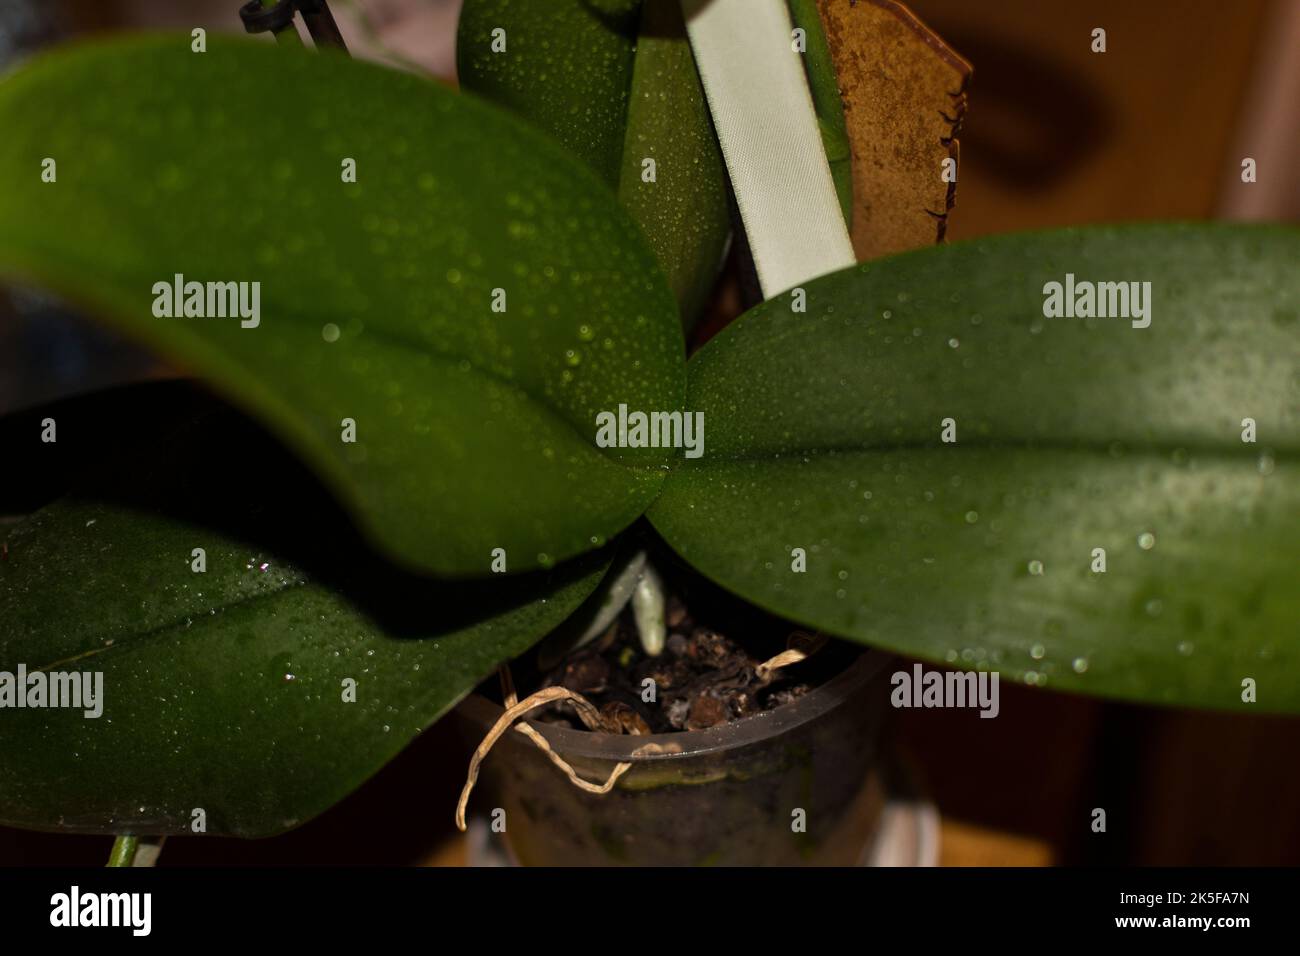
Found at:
(260, 19)
(315, 13)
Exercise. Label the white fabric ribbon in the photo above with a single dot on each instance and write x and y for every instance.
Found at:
(758, 95)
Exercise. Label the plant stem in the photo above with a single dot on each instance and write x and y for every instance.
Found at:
(123, 852)
(320, 24)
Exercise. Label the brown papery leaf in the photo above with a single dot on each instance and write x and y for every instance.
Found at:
(904, 94)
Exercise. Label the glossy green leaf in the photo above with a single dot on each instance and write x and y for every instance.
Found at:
(617, 85)
(474, 428)
(565, 66)
(684, 210)
(824, 433)
(225, 690)
(824, 86)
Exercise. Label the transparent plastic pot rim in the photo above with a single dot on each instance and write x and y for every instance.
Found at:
(736, 733)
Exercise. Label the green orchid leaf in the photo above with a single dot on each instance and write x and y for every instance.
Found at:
(565, 66)
(1077, 441)
(259, 690)
(435, 338)
(681, 202)
(616, 83)
(824, 86)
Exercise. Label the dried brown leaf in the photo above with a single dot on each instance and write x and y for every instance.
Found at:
(904, 95)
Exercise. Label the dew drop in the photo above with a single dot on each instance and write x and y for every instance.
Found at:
(330, 332)
(1146, 541)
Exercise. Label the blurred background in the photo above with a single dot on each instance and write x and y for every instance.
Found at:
(1154, 128)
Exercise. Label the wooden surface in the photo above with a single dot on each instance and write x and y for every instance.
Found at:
(1058, 135)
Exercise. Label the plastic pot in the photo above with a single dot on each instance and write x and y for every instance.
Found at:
(796, 785)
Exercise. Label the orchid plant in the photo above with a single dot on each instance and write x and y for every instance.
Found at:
(394, 483)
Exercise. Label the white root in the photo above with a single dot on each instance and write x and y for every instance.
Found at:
(649, 608)
(617, 594)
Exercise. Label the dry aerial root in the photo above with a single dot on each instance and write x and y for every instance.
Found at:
(587, 712)
(799, 647)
